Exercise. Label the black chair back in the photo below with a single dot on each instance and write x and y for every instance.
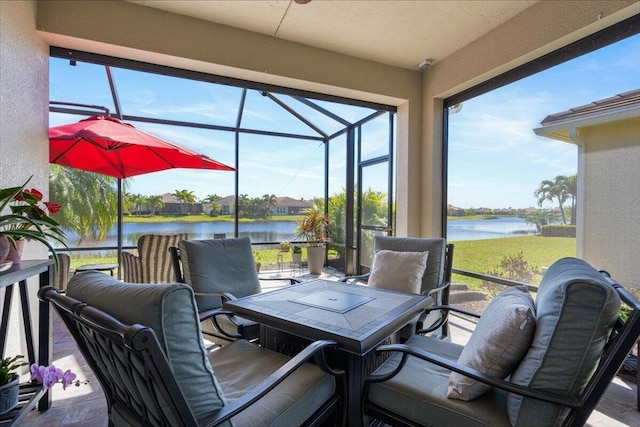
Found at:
(130, 365)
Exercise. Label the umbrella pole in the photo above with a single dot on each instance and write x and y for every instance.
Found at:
(119, 228)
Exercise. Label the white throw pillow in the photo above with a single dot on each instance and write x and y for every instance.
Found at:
(500, 341)
(398, 270)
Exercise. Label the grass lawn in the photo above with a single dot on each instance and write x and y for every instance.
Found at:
(266, 257)
(482, 255)
(472, 255)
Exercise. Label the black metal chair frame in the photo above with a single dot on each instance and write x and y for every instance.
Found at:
(224, 296)
(621, 340)
(98, 335)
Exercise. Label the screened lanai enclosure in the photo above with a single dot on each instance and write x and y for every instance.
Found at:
(292, 150)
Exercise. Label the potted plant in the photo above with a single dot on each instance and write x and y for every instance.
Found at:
(9, 382)
(296, 254)
(28, 219)
(285, 246)
(314, 228)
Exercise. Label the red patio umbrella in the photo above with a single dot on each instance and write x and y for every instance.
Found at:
(109, 146)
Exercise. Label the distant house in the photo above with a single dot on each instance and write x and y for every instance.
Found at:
(290, 206)
(227, 205)
(173, 206)
(285, 206)
(454, 211)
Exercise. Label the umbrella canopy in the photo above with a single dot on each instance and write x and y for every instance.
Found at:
(111, 147)
(108, 146)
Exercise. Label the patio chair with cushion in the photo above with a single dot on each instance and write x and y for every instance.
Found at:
(414, 265)
(526, 363)
(219, 270)
(153, 262)
(143, 342)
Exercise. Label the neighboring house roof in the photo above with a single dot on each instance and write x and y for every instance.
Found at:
(293, 203)
(169, 198)
(229, 200)
(563, 126)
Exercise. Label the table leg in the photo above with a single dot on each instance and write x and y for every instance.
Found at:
(355, 377)
(26, 320)
(6, 309)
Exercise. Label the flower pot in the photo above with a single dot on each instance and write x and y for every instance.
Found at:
(315, 259)
(9, 394)
(4, 248)
(15, 254)
(296, 257)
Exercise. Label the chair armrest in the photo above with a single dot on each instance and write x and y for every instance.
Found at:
(291, 280)
(224, 296)
(468, 372)
(420, 328)
(213, 315)
(454, 309)
(315, 349)
(356, 278)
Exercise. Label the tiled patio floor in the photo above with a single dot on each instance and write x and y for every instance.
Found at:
(85, 405)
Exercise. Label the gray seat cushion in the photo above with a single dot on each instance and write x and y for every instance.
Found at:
(576, 309)
(219, 265)
(419, 391)
(240, 365)
(170, 310)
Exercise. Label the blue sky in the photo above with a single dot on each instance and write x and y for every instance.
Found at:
(495, 159)
(268, 164)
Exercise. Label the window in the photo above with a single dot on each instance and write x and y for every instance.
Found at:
(288, 146)
(507, 187)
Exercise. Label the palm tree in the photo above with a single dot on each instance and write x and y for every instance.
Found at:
(571, 187)
(211, 199)
(155, 202)
(269, 203)
(73, 189)
(183, 197)
(243, 204)
(553, 190)
(137, 202)
(189, 197)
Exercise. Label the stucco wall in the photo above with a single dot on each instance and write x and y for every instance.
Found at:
(24, 118)
(611, 199)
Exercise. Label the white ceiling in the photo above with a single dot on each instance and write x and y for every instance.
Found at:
(393, 32)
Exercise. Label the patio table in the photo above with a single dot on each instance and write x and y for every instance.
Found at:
(97, 267)
(357, 317)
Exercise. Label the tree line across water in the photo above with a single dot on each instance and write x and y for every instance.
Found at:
(89, 203)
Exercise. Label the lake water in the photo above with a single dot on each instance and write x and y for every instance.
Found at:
(477, 229)
(277, 231)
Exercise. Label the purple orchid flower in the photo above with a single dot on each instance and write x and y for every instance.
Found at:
(67, 378)
(49, 375)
